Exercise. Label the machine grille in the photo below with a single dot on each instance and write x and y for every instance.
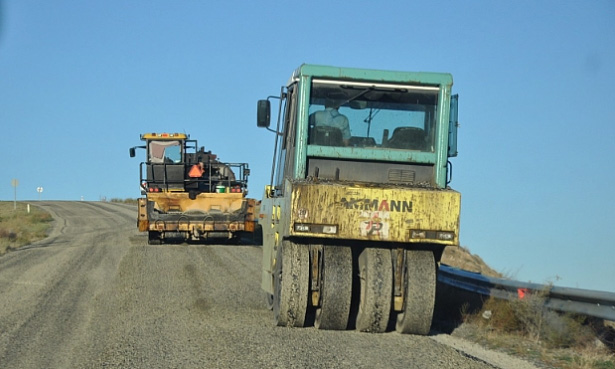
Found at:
(401, 175)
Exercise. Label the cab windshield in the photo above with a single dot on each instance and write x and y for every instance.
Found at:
(168, 152)
(380, 116)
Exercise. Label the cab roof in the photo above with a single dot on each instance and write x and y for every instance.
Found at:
(164, 136)
(373, 75)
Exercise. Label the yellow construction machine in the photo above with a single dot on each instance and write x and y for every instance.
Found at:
(189, 195)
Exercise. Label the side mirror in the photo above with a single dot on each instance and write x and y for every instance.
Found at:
(263, 113)
(132, 152)
(453, 124)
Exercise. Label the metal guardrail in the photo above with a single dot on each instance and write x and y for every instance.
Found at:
(572, 300)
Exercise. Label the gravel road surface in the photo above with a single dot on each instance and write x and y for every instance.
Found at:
(95, 295)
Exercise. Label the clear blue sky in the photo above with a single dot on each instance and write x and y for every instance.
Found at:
(80, 80)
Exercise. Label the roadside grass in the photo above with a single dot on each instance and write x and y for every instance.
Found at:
(125, 201)
(525, 328)
(19, 228)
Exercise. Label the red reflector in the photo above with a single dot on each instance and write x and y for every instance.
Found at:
(151, 189)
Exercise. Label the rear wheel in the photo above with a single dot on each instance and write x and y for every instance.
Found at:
(376, 281)
(291, 285)
(269, 301)
(336, 288)
(153, 238)
(277, 286)
(419, 293)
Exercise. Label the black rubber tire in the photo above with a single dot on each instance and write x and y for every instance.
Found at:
(153, 238)
(269, 301)
(420, 293)
(277, 285)
(376, 282)
(336, 288)
(292, 285)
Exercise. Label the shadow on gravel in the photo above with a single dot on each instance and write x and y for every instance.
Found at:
(252, 238)
(451, 305)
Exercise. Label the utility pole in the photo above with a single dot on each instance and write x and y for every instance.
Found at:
(15, 183)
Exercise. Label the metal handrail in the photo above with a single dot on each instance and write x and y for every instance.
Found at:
(240, 171)
(598, 304)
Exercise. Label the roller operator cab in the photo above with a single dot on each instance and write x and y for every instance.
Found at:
(358, 210)
(189, 195)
